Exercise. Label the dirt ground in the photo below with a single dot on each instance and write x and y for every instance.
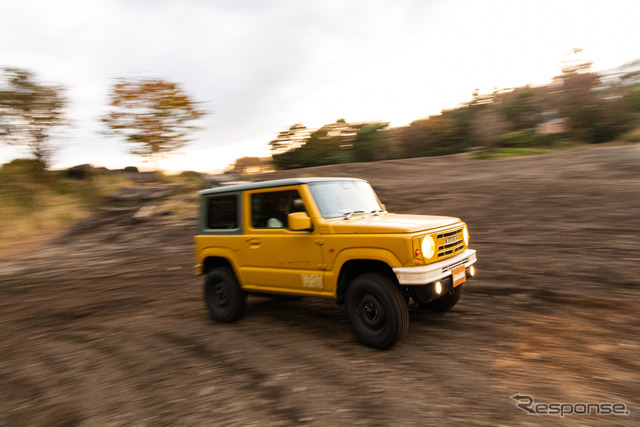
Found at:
(105, 325)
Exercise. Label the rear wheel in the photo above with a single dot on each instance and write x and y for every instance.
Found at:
(377, 311)
(223, 295)
(445, 302)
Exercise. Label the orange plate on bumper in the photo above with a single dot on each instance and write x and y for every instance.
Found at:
(458, 276)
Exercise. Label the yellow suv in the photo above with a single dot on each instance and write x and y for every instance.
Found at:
(329, 238)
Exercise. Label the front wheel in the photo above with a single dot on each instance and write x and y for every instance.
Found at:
(377, 311)
(223, 295)
(445, 302)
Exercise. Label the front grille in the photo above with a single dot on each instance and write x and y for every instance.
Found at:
(454, 265)
(449, 234)
(451, 247)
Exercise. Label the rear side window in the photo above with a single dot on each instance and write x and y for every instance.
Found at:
(223, 213)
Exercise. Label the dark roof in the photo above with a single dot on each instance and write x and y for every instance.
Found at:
(271, 184)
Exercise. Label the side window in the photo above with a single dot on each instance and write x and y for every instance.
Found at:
(223, 212)
(270, 210)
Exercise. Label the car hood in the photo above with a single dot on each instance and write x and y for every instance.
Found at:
(390, 223)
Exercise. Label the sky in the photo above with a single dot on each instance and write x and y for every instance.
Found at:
(259, 66)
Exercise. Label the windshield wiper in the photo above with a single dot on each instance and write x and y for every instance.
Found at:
(349, 212)
(377, 211)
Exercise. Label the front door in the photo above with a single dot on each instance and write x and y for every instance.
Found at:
(274, 257)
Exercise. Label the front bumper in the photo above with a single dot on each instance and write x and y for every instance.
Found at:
(425, 274)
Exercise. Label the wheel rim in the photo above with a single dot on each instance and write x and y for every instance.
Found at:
(219, 295)
(370, 312)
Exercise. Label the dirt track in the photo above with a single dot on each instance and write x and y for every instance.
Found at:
(105, 325)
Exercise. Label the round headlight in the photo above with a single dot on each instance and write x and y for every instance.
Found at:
(465, 235)
(428, 247)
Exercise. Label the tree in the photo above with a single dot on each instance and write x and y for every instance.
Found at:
(437, 135)
(289, 139)
(521, 108)
(593, 113)
(30, 112)
(300, 147)
(489, 126)
(250, 165)
(370, 144)
(328, 145)
(153, 115)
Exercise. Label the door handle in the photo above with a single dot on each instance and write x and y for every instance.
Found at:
(253, 242)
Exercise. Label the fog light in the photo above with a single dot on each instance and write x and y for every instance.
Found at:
(438, 288)
(472, 271)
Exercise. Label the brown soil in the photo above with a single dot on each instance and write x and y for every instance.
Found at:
(106, 325)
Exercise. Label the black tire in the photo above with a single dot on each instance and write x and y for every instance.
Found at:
(445, 302)
(377, 311)
(223, 295)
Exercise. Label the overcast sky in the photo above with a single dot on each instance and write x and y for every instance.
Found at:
(260, 66)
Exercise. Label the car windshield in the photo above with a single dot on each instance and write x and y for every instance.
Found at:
(344, 198)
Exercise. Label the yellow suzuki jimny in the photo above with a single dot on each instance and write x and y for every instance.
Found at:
(329, 238)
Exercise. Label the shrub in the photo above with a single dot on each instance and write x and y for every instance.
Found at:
(520, 138)
(632, 136)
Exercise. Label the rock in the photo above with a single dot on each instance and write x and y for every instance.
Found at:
(141, 194)
(79, 171)
(144, 213)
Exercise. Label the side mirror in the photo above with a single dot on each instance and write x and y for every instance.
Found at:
(299, 221)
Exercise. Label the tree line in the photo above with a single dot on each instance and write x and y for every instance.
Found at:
(578, 105)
